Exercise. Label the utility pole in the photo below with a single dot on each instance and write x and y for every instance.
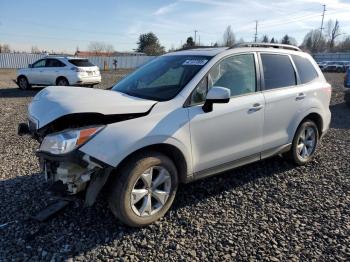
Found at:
(195, 36)
(324, 11)
(256, 31)
(199, 40)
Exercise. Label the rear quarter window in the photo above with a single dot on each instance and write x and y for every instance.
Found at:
(81, 62)
(306, 70)
(278, 71)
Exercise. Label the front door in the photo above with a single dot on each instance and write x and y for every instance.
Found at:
(231, 131)
(37, 75)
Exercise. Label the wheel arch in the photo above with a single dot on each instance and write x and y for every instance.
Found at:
(59, 77)
(314, 116)
(22, 75)
(169, 150)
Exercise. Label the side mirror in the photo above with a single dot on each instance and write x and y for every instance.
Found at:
(216, 94)
(30, 65)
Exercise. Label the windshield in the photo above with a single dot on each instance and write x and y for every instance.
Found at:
(162, 78)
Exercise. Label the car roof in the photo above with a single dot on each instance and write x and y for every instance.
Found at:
(248, 47)
(64, 57)
(200, 51)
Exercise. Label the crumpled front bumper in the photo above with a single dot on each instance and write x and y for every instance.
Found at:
(72, 171)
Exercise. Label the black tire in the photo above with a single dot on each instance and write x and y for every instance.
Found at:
(62, 81)
(124, 182)
(294, 155)
(23, 83)
(339, 70)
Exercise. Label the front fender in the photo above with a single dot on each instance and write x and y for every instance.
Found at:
(118, 140)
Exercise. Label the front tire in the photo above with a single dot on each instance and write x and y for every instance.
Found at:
(62, 81)
(23, 83)
(304, 143)
(144, 189)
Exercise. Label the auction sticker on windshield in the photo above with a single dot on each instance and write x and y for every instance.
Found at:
(198, 62)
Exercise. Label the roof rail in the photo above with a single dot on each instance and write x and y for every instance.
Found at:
(268, 45)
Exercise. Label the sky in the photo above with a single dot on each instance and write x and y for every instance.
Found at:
(65, 25)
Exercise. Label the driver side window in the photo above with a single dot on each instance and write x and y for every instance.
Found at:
(236, 73)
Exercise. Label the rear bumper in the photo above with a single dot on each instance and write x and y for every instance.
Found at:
(89, 80)
(326, 123)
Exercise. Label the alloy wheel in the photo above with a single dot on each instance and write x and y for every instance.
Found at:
(306, 143)
(151, 191)
(22, 83)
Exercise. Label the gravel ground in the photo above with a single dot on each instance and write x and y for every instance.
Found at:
(269, 210)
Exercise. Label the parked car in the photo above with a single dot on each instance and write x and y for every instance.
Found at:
(181, 117)
(60, 71)
(337, 66)
(347, 87)
(323, 64)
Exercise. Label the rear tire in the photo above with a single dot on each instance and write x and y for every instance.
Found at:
(304, 143)
(62, 81)
(23, 83)
(144, 189)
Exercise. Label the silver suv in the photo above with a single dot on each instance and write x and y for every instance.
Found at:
(60, 71)
(181, 117)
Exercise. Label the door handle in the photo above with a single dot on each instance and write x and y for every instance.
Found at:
(256, 107)
(300, 96)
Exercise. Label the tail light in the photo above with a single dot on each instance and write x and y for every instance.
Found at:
(77, 69)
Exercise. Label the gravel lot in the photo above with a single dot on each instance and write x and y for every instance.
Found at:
(269, 210)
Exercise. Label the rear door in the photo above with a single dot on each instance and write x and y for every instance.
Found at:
(282, 99)
(54, 68)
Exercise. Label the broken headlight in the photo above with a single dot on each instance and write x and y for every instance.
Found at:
(66, 141)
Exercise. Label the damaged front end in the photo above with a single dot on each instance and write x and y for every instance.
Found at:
(68, 170)
(74, 173)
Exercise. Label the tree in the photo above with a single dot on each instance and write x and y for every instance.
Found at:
(333, 31)
(344, 46)
(149, 44)
(288, 40)
(189, 43)
(5, 48)
(241, 41)
(314, 41)
(35, 50)
(97, 47)
(285, 40)
(273, 40)
(109, 49)
(265, 39)
(229, 37)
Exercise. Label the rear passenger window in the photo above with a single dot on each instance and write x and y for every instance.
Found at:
(54, 63)
(278, 71)
(306, 70)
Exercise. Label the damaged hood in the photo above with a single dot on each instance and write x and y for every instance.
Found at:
(56, 101)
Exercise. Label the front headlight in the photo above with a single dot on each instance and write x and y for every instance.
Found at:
(67, 141)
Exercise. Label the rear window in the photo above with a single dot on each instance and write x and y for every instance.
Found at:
(81, 62)
(278, 71)
(306, 70)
